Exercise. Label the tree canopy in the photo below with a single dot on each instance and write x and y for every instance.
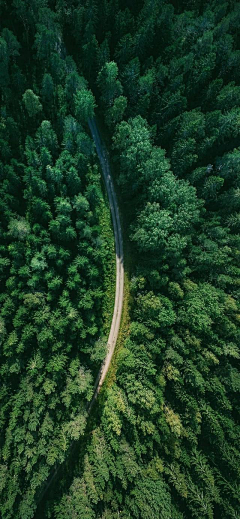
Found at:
(163, 80)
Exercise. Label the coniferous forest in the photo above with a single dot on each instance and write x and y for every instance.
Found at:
(162, 78)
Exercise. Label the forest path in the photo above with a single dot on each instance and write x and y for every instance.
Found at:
(117, 312)
(113, 334)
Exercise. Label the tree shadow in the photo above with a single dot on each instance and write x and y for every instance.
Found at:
(63, 474)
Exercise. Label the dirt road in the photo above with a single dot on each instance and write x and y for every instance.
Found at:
(112, 339)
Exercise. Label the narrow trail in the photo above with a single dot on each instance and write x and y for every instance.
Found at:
(117, 312)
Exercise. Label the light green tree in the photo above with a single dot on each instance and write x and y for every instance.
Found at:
(32, 103)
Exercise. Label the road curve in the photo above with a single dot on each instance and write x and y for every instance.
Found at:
(117, 312)
(112, 339)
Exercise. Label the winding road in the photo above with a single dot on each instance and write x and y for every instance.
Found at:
(117, 312)
(112, 339)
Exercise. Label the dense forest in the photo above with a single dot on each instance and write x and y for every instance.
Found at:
(163, 79)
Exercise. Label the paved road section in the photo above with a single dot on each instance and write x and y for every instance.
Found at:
(117, 312)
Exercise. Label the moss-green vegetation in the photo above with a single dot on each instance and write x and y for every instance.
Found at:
(106, 233)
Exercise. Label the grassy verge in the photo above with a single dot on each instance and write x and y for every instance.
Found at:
(123, 333)
(106, 233)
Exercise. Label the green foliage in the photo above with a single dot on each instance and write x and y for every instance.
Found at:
(165, 442)
(108, 83)
(32, 103)
(115, 113)
(53, 261)
(84, 105)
